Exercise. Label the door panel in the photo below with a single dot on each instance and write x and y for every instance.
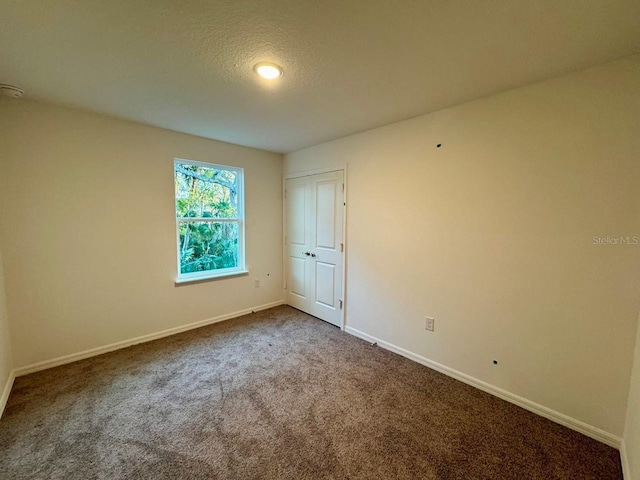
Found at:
(325, 284)
(325, 215)
(297, 276)
(313, 243)
(296, 215)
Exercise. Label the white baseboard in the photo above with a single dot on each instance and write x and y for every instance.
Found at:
(584, 428)
(626, 470)
(74, 357)
(6, 391)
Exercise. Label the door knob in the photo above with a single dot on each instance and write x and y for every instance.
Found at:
(306, 253)
(313, 255)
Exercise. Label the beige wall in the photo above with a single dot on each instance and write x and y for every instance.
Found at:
(88, 232)
(492, 235)
(6, 361)
(632, 426)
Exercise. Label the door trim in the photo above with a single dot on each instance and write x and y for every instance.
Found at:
(307, 173)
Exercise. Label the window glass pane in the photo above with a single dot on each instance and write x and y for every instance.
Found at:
(205, 192)
(206, 246)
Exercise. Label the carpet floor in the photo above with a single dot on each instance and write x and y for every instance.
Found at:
(276, 394)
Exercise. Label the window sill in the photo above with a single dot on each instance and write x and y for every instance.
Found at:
(208, 278)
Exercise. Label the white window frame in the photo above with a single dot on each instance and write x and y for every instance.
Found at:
(240, 269)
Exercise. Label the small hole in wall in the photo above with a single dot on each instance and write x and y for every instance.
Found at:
(495, 362)
(438, 145)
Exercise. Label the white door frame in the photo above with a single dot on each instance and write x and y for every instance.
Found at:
(307, 173)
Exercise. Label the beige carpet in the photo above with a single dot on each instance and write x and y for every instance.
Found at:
(276, 394)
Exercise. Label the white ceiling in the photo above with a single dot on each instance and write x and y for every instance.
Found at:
(350, 65)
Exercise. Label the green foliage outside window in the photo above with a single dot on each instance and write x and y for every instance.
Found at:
(204, 193)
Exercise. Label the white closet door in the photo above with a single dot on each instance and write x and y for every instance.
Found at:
(313, 244)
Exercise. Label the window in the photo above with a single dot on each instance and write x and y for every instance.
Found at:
(209, 220)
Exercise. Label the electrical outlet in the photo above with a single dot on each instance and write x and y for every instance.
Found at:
(256, 283)
(429, 323)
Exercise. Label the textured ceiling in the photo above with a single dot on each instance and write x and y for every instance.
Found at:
(350, 65)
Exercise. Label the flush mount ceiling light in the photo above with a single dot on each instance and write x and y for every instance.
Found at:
(11, 91)
(268, 70)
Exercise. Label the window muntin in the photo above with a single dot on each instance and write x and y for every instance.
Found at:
(209, 202)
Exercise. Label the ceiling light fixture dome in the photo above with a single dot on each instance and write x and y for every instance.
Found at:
(268, 70)
(11, 91)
